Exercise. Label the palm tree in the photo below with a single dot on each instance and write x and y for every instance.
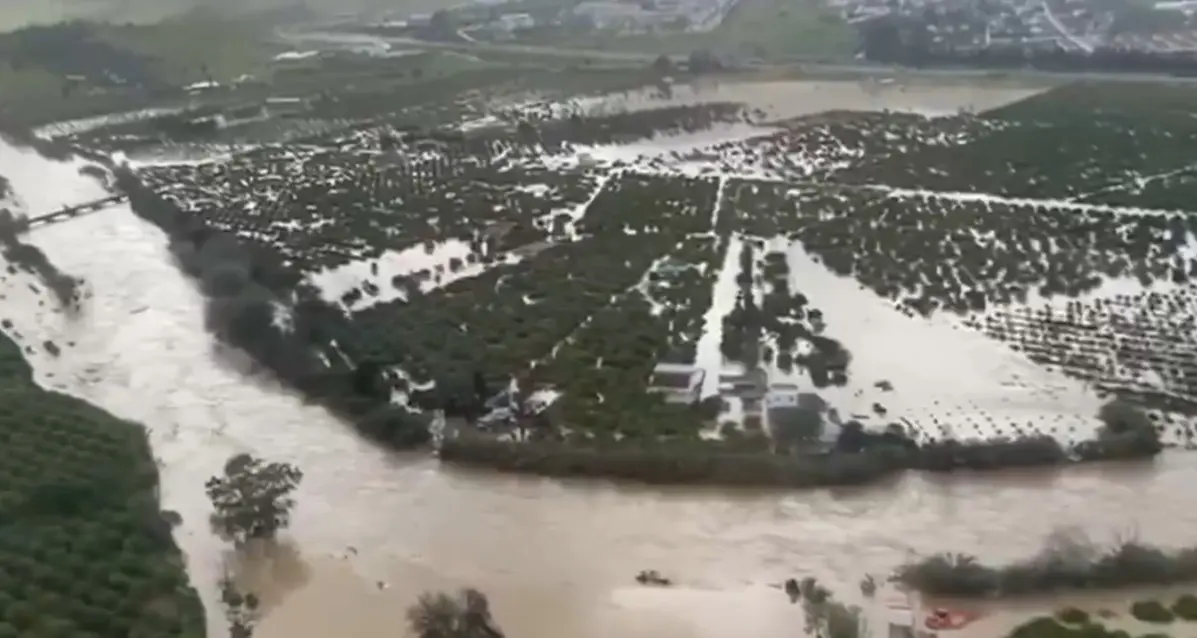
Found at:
(466, 615)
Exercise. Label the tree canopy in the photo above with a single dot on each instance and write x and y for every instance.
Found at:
(463, 615)
(252, 498)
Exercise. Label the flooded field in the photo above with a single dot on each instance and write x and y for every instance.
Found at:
(785, 99)
(374, 529)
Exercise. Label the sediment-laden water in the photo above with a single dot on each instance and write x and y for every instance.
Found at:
(374, 529)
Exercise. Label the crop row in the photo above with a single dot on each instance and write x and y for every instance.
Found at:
(1139, 345)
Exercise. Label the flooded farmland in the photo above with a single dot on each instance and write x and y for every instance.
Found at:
(374, 529)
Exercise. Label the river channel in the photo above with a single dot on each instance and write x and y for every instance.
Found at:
(374, 529)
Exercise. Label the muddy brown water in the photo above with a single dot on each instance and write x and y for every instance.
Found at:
(558, 558)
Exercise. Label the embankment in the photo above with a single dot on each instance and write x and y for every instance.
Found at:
(700, 462)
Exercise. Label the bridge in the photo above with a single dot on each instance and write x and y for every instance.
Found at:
(67, 212)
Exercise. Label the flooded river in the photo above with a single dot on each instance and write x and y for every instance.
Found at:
(374, 529)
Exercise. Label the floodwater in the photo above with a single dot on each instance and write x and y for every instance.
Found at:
(783, 99)
(374, 529)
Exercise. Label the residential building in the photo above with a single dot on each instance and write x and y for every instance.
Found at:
(514, 21)
(679, 382)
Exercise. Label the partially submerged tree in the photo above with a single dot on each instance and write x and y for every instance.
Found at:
(241, 610)
(465, 615)
(252, 498)
(825, 616)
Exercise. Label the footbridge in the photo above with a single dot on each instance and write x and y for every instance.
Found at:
(68, 212)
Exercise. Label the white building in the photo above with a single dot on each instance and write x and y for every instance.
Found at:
(514, 21)
(679, 382)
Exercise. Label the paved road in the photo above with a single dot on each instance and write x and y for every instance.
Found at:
(847, 69)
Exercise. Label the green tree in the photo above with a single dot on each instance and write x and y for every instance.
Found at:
(1120, 417)
(826, 617)
(252, 498)
(465, 615)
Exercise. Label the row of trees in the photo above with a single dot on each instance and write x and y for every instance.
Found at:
(1068, 561)
(859, 456)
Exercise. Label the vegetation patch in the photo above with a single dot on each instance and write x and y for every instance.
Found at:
(1152, 611)
(1072, 616)
(30, 258)
(1039, 148)
(1067, 562)
(85, 549)
(79, 69)
(1185, 607)
(1045, 627)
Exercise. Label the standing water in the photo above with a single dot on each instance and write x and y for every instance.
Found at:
(374, 529)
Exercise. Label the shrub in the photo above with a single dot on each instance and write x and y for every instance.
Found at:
(1126, 431)
(1151, 611)
(1073, 616)
(1185, 607)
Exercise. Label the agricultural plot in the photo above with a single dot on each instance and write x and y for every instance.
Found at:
(821, 145)
(324, 208)
(959, 278)
(1063, 144)
(84, 550)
